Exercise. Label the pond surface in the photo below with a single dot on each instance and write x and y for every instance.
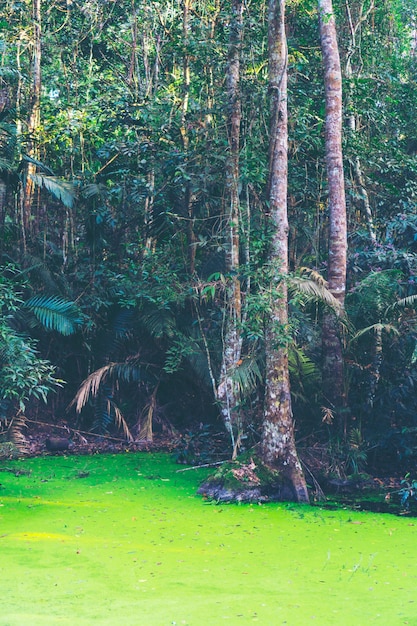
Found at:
(123, 539)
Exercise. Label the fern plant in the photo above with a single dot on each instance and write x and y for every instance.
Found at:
(24, 375)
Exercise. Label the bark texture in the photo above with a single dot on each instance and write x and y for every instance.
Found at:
(332, 346)
(278, 444)
(232, 340)
(34, 118)
(358, 177)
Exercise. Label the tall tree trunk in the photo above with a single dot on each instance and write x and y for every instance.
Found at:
(232, 340)
(34, 118)
(188, 195)
(333, 378)
(358, 178)
(278, 443)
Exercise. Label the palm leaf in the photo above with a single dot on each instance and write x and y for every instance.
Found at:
(379, 327)
(119, 419)
(301, 365)
(314, 291)
(5, 165)
(407, 302)
(41, 166)
(247, 376)
(39, 272)
(159, 323)
(313, 275)
(94, 189)
(55, 313)
(128, 372)
(61, 189)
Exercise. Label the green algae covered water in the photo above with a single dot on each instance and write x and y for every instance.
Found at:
(123, 539)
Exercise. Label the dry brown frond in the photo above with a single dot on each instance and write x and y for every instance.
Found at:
(314, 275)
(328, 415)
(90, 387)
(119, 419)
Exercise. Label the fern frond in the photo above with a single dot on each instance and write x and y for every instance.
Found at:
(63, 190)
(55, 313)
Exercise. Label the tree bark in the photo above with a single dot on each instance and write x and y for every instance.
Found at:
(333, 371)
(232, 340)
(358, 178)
(34, 118)
(188, 195)
(278, 443)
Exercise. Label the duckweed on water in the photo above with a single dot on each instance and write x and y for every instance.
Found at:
(109, 540)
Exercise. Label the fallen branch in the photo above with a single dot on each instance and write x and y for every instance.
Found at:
(185, 469)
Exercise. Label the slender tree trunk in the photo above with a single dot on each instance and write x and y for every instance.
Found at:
(149, 241)
(278, 443)
(4, 103)
(232, 340)
(3, 196)
(34, 119)
(358, 178)
(375, 370)
(333, 378)
(188, 196)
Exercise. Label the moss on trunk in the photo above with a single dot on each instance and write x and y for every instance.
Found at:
(247, 479)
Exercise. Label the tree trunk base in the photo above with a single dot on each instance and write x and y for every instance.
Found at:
(249, 480)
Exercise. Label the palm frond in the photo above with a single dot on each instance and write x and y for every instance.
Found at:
(123, 322)
(90, 386)
(55, 313)
(106, 412)
(247, 376)
(371, 296)
(102, 412)
(301, 365)
(119, 419)
(128, 371)
(93, 189)
(313, 275)
(379, 327)
(5, 165)
(159, 323)
(314, 291)
(407, 302)
(63, 190)
(41, 166)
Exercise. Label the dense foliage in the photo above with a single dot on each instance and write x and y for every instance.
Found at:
(128, 217)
